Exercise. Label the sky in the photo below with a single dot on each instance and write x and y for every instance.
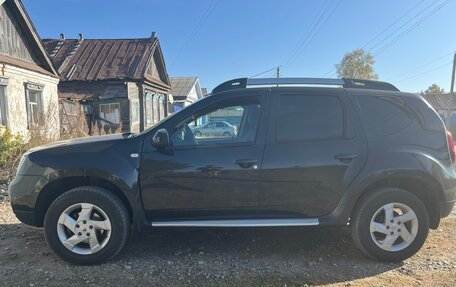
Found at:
(217, 40)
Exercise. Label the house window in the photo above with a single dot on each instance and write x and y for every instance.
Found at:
(162, 107)
(34, 101)
(3, 104)
(156, 109)
(148, 110)
(110, 113)
(134, 110)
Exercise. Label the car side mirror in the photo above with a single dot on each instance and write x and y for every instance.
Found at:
(161, 139)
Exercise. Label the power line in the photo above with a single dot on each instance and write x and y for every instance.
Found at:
(421, 66)
(267, 71)
(322, 17)
(397, 29)
(304, 36)
(195, 30)
(424, 18)
(394, 23)
(318, 25)
(329, 72)
(425, 72)
(424, 10)
(316, 31)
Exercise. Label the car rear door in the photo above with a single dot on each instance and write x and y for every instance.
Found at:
(315, 148)
(208, 177)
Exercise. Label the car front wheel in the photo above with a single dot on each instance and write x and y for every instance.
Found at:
(391, 224)
(86, 225)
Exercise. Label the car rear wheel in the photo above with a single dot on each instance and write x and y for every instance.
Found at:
(86, 225)
(390, 224)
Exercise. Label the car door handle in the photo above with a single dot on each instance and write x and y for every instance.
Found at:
(246, 163)
(346, 157)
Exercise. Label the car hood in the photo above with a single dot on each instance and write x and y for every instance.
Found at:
(81, 141)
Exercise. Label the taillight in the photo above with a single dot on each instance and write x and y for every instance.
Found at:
(451, 146)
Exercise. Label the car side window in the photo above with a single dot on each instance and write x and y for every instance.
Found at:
(307, 117)
(234, 121)
(384, 114)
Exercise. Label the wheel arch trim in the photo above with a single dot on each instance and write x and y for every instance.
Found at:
(55, 188)
(428, 185)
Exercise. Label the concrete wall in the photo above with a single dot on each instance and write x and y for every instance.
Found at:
(16, 99)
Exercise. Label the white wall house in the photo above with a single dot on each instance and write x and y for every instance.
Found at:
(28, 79)
(184, 91)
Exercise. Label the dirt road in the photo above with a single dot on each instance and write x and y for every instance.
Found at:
(227, 257)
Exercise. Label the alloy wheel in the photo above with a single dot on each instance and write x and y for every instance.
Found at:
(394, 226)
(84, 228)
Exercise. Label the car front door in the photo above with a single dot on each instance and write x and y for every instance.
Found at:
(207, 177)
(314, 151)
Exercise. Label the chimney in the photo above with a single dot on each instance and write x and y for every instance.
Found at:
(58, 46)
(81, 37)
(152, 36)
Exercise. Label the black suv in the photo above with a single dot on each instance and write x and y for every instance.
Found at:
(306, 152)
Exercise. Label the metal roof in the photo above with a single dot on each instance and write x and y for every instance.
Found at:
(440, 101)
(45, 66)
(181, 86)
(107, 59)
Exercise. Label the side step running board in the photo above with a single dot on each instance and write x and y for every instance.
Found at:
(237, 223)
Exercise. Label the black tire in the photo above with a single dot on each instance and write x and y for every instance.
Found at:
(198, 134)
(367, 208)
(226, 134)
(111, 206)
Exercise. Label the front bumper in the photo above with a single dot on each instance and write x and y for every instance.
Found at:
(24, 190)
(26, 216)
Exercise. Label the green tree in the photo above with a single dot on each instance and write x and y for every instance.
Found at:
(357, 65)
(433, 89)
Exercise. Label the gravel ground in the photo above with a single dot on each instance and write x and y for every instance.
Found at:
(3, 192)
(226, 257)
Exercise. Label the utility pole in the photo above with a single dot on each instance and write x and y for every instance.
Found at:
(453, 100)
(278, 72)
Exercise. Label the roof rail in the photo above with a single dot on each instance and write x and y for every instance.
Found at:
(344, 82)
(368, 84)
